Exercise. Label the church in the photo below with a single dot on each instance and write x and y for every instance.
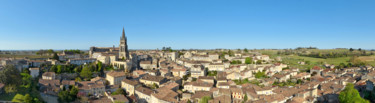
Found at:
(119, 57)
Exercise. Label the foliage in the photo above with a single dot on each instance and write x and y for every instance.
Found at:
(230, 53)
(287, 83)
(260, 75)
(55, 56)
(70, 68)
(212, 73)
(45, 52)
(119, 91)
(74, 51)
(259, 62)
(10, 88)
(205, 99)
(86, 73)
(244, 81)
(21, 98)
(10, 75)
(351, 95)
(18, 98)
(167, 49)
(245, 50)
(236, 62)
(185, 77)
(68, 95)
(245, 98)
(248, 60)
(26, 80)
(154, 86)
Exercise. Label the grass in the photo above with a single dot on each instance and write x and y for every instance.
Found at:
(368, 59)
(292, 61)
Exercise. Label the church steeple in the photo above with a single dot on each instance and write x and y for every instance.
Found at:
(123, 47)
(123, 33)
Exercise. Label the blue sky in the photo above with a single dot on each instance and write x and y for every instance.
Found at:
(200, 24)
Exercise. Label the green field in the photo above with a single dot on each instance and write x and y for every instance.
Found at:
(292, 61)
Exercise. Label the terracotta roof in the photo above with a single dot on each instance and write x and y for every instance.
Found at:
(200, 94)
(144, 90)
(152, 78)
(120, 98)
(87, 85)
(48, 74)
(316, 68)
(131, 82)
(200, 84)
(166, 95)
(68, 82)
(116, 74)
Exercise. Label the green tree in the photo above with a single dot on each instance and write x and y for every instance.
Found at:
(100, 66)
(55, 56)
(64, 96)
(18, 98)
(73, 92)
(59, 69)
(351, 95)
(259, 62)
(86, 73)
(248, 60)
(119, 91)
(10, 75)
(28, 99)
(10, 88)
(260, 75)
(245, 50)
(351, 49)
(26, 80)
(205, 99)
(245, 98)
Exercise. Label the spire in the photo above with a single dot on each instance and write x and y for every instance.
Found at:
(123, 33)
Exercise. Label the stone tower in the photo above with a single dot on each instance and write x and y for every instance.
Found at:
(123, 48)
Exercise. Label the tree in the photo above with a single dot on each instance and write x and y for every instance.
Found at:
(245, 98)
(55, 56)
(260, 75)
(64, 96)
(245, 50)
(73, 92)
(59, 69)
(86, 73)
(351, 49)
(100, 66)
(10, 75)
(119, 91)
(351, 95)
(27, 98)
(18, 98)
(359, 49)
(26, 80)
(259, 62)
(205, 99)
(248, 60)
(10, 88)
